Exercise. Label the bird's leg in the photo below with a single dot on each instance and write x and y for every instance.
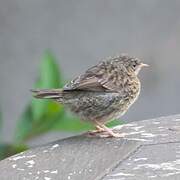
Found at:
(109, 132)
(98, 130)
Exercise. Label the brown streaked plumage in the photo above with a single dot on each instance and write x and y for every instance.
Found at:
(104, 92)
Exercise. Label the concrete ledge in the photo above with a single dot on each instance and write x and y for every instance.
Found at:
(150, 150)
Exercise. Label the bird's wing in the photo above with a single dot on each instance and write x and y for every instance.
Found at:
(97, 78)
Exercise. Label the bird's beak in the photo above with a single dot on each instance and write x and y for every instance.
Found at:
(144, 65)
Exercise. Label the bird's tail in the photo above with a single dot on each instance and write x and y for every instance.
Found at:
(55, 94)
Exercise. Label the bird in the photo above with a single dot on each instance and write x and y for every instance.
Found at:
(102, 93)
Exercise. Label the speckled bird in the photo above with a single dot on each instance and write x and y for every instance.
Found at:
(103, 93)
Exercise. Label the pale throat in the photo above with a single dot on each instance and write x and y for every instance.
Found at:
(137, 70)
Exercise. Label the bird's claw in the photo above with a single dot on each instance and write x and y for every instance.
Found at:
(104, 134)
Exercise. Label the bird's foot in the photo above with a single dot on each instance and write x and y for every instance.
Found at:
(98, 130)
(109, 132)
(94, 133)
(104, 134)
(112, 134)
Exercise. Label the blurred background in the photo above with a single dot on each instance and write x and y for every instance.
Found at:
(78, 34)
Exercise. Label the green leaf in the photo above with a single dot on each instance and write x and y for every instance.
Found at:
(27, 128)
(49, 77)
(38, 106)
(114, 123)
(54, 108)
(24, 125)
(69, 122)
(72, 123)
(7, 150)
(41, 128)
(40, 115)
(53, 113)
(49, 71)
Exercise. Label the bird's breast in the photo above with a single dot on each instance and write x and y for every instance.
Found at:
(132, 90)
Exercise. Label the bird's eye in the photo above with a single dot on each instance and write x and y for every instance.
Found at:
(134, 65)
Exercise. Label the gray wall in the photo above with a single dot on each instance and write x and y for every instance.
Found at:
(82, 32)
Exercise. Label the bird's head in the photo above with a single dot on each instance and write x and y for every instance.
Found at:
(132, 64)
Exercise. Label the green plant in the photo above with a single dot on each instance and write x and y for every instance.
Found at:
(0, 126)
(6, 149)
(42, 116)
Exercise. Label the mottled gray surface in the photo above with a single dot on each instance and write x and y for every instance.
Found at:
(153, 131)
(74, 158)
(80, 33)
(161, 161)
(150, 150)
(159, 155)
